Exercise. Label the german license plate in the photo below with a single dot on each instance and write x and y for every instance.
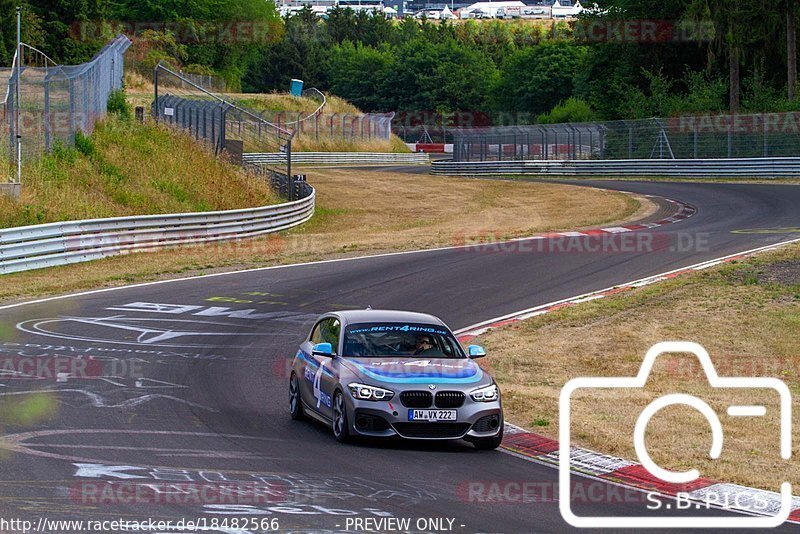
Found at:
(431, 415)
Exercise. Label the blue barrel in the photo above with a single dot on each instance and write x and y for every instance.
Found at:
(296, 89)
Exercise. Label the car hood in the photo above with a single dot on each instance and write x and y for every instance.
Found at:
(418, 370)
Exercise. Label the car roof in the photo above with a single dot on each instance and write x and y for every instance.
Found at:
(387, 316)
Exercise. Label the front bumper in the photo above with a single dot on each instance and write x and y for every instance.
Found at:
(474, 420)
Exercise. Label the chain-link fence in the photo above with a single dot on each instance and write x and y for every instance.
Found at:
(322, 125)
(691, 137)
(212, 82)
(353, 127)
(220, 123)
(55, 101)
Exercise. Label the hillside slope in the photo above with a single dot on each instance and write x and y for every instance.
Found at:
(127, 168)
(140, 93)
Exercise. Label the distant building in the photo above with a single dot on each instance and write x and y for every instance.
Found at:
(491, 8)
(398, 5)
(321, 7)
(442, 8)
(564, 11)
(437, 5)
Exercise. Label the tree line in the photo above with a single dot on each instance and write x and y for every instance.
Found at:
(597, 67)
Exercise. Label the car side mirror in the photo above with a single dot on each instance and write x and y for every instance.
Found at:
(476, 351)
(322, 349)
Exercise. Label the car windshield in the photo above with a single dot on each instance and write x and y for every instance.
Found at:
(411, 340)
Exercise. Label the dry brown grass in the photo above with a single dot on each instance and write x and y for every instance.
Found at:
(304, 142)
(358, 212)
(287, 102)
(743, 314)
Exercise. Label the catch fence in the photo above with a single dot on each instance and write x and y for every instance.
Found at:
(219, 122)
(690, 137)
(353, 127)
(55, 101)
(322, 125)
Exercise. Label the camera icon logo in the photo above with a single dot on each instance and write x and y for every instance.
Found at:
(717, 439)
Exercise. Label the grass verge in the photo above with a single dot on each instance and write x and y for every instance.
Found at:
(307, 142)
(746, 314)
(360, 212)
(128, 168)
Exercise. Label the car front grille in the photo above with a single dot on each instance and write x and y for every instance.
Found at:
(449, 399)
(431, 430)
(487, 423)
(416, 399)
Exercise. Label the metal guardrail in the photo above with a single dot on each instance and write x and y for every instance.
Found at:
(340, 158)
(46, 245)
(689, 168)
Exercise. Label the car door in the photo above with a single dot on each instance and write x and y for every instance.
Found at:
(307, 364)
(317, 386)
(326, 376)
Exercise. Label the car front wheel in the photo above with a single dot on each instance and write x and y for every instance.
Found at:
(341, 428)
(295, 406)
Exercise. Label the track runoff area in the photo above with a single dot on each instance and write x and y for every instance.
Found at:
(174, 405)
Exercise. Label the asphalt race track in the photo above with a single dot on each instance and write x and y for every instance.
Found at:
(212, 408)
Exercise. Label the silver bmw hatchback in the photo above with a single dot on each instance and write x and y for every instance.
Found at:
(382, 373)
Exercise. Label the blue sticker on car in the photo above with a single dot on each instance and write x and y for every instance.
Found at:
(421, 371)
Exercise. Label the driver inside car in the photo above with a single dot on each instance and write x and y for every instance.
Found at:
(423, 346)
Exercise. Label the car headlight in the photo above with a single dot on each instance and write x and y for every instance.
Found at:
(486, 394)
(370, 393)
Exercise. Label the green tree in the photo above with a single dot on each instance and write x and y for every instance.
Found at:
(341, 25)
(301, 53)
(32, 32)
(445, 76)
(534, 79)
(571, 110)
(357, 72)
(791, 49)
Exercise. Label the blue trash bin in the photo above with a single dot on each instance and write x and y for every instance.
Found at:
(296, 89)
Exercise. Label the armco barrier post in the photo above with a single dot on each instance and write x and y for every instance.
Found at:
(47, 133)
(630, 142)
(730, 137)
(289, 157)
(156, 109)
(222, 129)
(72, 107)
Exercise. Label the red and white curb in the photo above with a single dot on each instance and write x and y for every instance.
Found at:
(521, 442)
(683, 211)
(625, 473)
